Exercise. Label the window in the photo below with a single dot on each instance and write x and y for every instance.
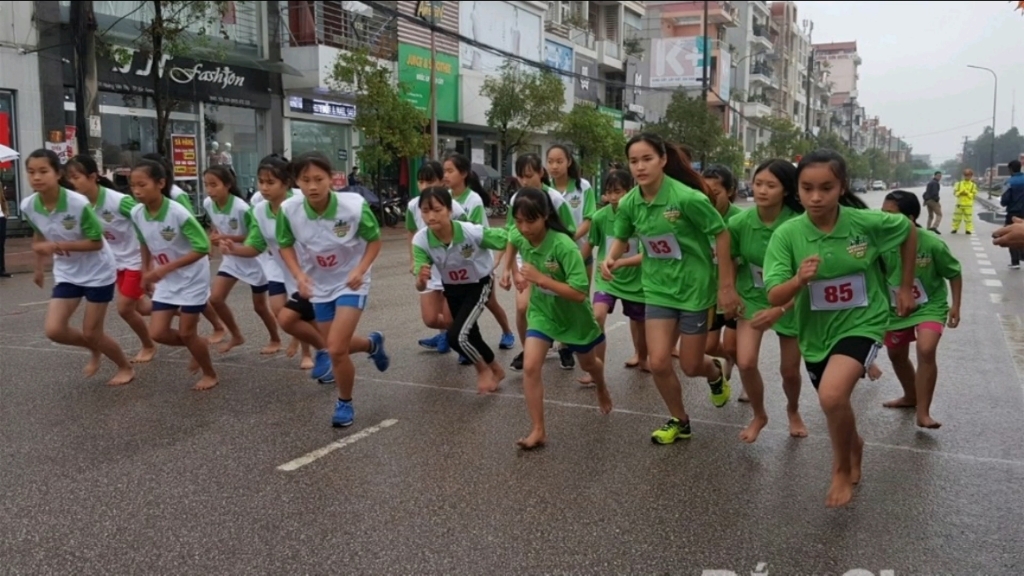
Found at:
(8, 170)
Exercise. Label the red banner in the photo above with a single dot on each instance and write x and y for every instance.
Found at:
(184, 156)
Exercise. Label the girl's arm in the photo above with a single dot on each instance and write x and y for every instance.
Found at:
(908, 256)
(371, 253)
(561, 289)
(956, 287)
(587, 251)
(784, 294)
(634, 260)
(412, 255)
(147, 258)
(584, 229)
(291, 260)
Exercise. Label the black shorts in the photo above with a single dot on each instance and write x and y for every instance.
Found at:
(301, 306)
(859, 348)
(720, 322)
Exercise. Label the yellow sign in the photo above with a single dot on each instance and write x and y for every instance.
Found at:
(433, 11)
(417, 61)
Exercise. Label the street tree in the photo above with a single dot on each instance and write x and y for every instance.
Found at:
(878, 164)
(729, 153)
(688, 121)
(785, 140)
(168, 29)
(392, 127)
(593, 137)
(523, 103)
(951, 167)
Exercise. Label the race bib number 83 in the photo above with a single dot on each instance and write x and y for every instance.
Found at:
(920, 296)
(664, 246)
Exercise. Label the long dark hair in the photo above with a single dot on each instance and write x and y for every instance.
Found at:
(533, 204)
(535, 164)
(168, 166)
(278, 167)
(439, 194)
(430, 171)
(87, 165)
(618, 178)
(156, 171)
(677, 162)
(908, 204)
(785, 173)
(837, 164)
(465, 167)
(303, 161)
(573, 170)
(227, 176)
(54, 161)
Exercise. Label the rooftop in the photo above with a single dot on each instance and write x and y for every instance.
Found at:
(836, 47)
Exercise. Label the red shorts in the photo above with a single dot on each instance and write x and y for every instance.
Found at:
(129, 283)
(898, 338)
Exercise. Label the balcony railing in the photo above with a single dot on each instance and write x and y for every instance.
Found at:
(762, 68)
(760, 30)
(308, 23)
(610, 49)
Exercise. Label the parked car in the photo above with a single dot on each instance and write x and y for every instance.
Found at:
(859, 186)
(878, 185)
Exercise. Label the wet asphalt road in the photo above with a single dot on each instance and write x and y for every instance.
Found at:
(155, 478)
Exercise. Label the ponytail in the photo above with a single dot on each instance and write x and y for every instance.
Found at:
(677, 162)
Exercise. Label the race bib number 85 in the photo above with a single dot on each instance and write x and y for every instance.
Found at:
(839, 293)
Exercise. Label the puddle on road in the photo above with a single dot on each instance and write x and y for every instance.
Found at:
(1013, 332)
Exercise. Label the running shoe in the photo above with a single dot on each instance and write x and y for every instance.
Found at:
(672, 430)
(344, 414)
(321, 366)
(720, 389)
(377, 353)
(507, 341)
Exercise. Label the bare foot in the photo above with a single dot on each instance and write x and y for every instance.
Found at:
(92, 365)
(485, 383)
(874, 372)
(227, 346)
(273, 347)
(926, 421)
(293, 349)
(901, 402)
(217, 337)
(193, 366)
(498, 373)
(840, 493)
(753, 430)
(144, 355)
(122, 377)
(535, 440)
(306, 363)
(604, 400)
(633, 362)
(856, 457)
(797, 428)
(586, 381)
(644, 367)
(205, 383)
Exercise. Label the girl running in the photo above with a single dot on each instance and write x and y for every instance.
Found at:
(776, 202)
(935, 265)
(530, 173)
(467, 191)
(721, 186)
(460, 253)
(114, 210)
(341, 237)
(433, 307)
(293, 313)
(230, 219)
(559, 307)
(827, 261)
(673, 218)
(625, 286)
(175, 266)
(565, 179)
(66, 228)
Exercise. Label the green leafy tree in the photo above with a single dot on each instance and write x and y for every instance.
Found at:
(829, 140)
(523, 103)
(392, 127)
(688, 121)
(593, 136)
(729, 153)
(857, 165)
(785, 140)
(1009, 146)
(951, 167)
(880, 168)
(168, 29)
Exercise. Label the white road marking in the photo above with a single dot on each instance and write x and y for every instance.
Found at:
(321, 452)
(993, 283)
(996, 298)
(984, 262)
(619, 324)
(989, 271)
(35, 303)
(978, 249)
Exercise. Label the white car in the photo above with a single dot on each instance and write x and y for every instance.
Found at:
(878, 185)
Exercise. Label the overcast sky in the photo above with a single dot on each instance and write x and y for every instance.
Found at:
(914, 74)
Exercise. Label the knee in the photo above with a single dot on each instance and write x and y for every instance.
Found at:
(660, 365)
(218, 299)
(453, 336)
(126, 308)
(747, 363)
(54, 331)
(832, 403)
(339, 350)
(160, 335)
(259, 304)
(589, 362)
(790, 374)
(926, 355)
(92, 334)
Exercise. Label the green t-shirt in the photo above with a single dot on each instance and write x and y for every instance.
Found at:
(935, 266)
(750, 238)
(627, 283)
(673, 229)
(557, 200)
(562, 320)
(849, 296)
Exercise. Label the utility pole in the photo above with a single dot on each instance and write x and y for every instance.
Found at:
(963, 158)
(433, 79)
(853, 107)
(82, 25)
(810, 74)
(704, 78)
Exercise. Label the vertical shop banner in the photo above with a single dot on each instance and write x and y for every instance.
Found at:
(414, 75)
(559, 57)
(184, 156)
(6, 137)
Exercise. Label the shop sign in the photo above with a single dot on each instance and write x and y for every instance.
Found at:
(184, 156)
(322, 108)
(414, 75)
(588, 89)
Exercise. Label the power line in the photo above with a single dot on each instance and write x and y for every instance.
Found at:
(954, 128)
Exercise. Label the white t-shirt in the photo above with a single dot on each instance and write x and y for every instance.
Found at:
(467, 259)
(414, 218)
(72, 219)
(234, 220)
(473, 204)
(276, 269)
(115, 212)
(170, 235)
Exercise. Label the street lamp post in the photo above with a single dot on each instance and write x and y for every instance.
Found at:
(995, 95)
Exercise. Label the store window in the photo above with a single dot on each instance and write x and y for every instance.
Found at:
(8, 170)
(334, 140)
(234, 136)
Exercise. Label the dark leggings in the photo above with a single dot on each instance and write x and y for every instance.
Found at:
(1016, 254)
(467, 302)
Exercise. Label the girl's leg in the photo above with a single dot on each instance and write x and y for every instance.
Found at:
(468, 303)
(662, 335)
(341, 343)
(58, 329)
(161, 329)
(899, 356)
(789, 368)
(840, 376)
(601, 315)
(535, 350)
(92, 331)
(199, 348)
(277, 302)
(499, 315)
(144, 306)
(222, 286)
(927, 374)
(219, 332)
(307, 332)
(435, 314)
(729, 349)
(593, 364)
(747, 356)
(262, 308)
(128, 308)
(636, 330)
(522, 303)
(695, 363)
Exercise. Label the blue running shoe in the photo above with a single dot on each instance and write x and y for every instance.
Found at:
(429, 343)
(344, 413)
(464, 361)
(442, 343)
(321, 366)
(328, 379)
(507, 341)
(377, 353)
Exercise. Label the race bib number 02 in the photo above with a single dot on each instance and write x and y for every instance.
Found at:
(842, 293)
(459, 276)
(920, 296)
(664, 246)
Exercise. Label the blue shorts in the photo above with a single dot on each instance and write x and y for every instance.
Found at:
(324, 311)
(577, 348)
(164, 306)
(93, 294)
(277, 288)
(255, 289)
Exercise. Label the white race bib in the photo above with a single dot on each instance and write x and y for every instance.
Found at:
(665, 247)
(757, 273)
(839, 293)
(714, 252)
(459, 276)
(920, 296)
(326, 261)
(631, 247)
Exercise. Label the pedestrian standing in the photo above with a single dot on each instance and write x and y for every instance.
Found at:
(1013, 200)
(4, 210)
(931, 202)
